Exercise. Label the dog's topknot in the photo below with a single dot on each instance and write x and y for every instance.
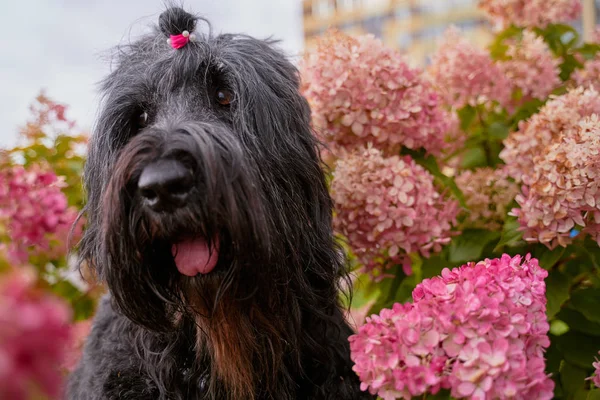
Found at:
(175, 20)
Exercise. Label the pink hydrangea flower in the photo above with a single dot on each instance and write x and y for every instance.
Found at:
(560, 114)
(531, 13)
(596, 377)
(531, 67)
(79, 333)
(362, 92)
(34, 334)
(465, 74)
(563, 190)
(388, 208)
(488, 193)
(33, 207)
(589, 75)
(596, 35)
(479, 330)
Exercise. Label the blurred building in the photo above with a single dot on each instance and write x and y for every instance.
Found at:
(591, 14)
(412, 25)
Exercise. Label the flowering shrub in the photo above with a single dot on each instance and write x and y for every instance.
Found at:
(34, 334)
(512, 170)
(589, 75)
(33, 208)
(389, 208)
(596, 377)
(530, 67)
(363, 92)
(560, 114)
(479, 330)
(489, 154)
(488, 195)
(40, 296)
(535, 13)
(466, 75)
(562, 190)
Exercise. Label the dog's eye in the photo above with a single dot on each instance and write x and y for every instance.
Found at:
(224, 97)
(143, 120)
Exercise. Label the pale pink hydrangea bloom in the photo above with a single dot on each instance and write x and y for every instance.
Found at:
(34, 336)
(531, 13)
(79, 333)
(589, 75)
(561, 113)
(362, 92)
(388, 208)
(32, 206)
(479, 330)
(488, 193)
(465, 74)
(531, 67)
(564, 189)
(596, 377)
(596, 35)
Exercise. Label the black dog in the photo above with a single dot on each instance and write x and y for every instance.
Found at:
(209, 219)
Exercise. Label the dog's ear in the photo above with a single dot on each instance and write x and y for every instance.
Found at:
(274, 120)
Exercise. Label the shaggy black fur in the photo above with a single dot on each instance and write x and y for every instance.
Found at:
(266, 323)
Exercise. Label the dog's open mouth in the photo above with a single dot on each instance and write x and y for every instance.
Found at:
(194, 256)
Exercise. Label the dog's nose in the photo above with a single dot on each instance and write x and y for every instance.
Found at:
(165, 185)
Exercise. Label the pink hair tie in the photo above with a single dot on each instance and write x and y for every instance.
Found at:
(179, 41)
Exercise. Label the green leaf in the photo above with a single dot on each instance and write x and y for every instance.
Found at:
(494, 149)
(433, 266)
(591, 251)
(594, 395)
(406, 288)
(83, 308)
(474, 157)
(441, 395)
(524, 112)
(547, 257)
(558, 390)
(498, 48)
(469, 245)
(578, 321)
(578, 268)
(569, 64)
(578, 349)
(588, 50)
(560, 37)
(365, 291)
(510, 235)
(557, 292)
(389, 288)
(581, 394)
(572, 378)
(587, 302)
(553, 358)
(558, 327)
(466, 115)
(498, 130)
(430, 164)
(66, 290)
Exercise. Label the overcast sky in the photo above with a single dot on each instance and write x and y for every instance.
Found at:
(57, 45)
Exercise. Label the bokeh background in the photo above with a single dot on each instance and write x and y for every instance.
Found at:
(490, 122)
(61, 46)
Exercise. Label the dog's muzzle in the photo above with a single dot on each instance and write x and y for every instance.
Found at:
(165, 185)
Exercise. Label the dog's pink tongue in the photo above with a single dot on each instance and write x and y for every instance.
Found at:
(193, 256)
